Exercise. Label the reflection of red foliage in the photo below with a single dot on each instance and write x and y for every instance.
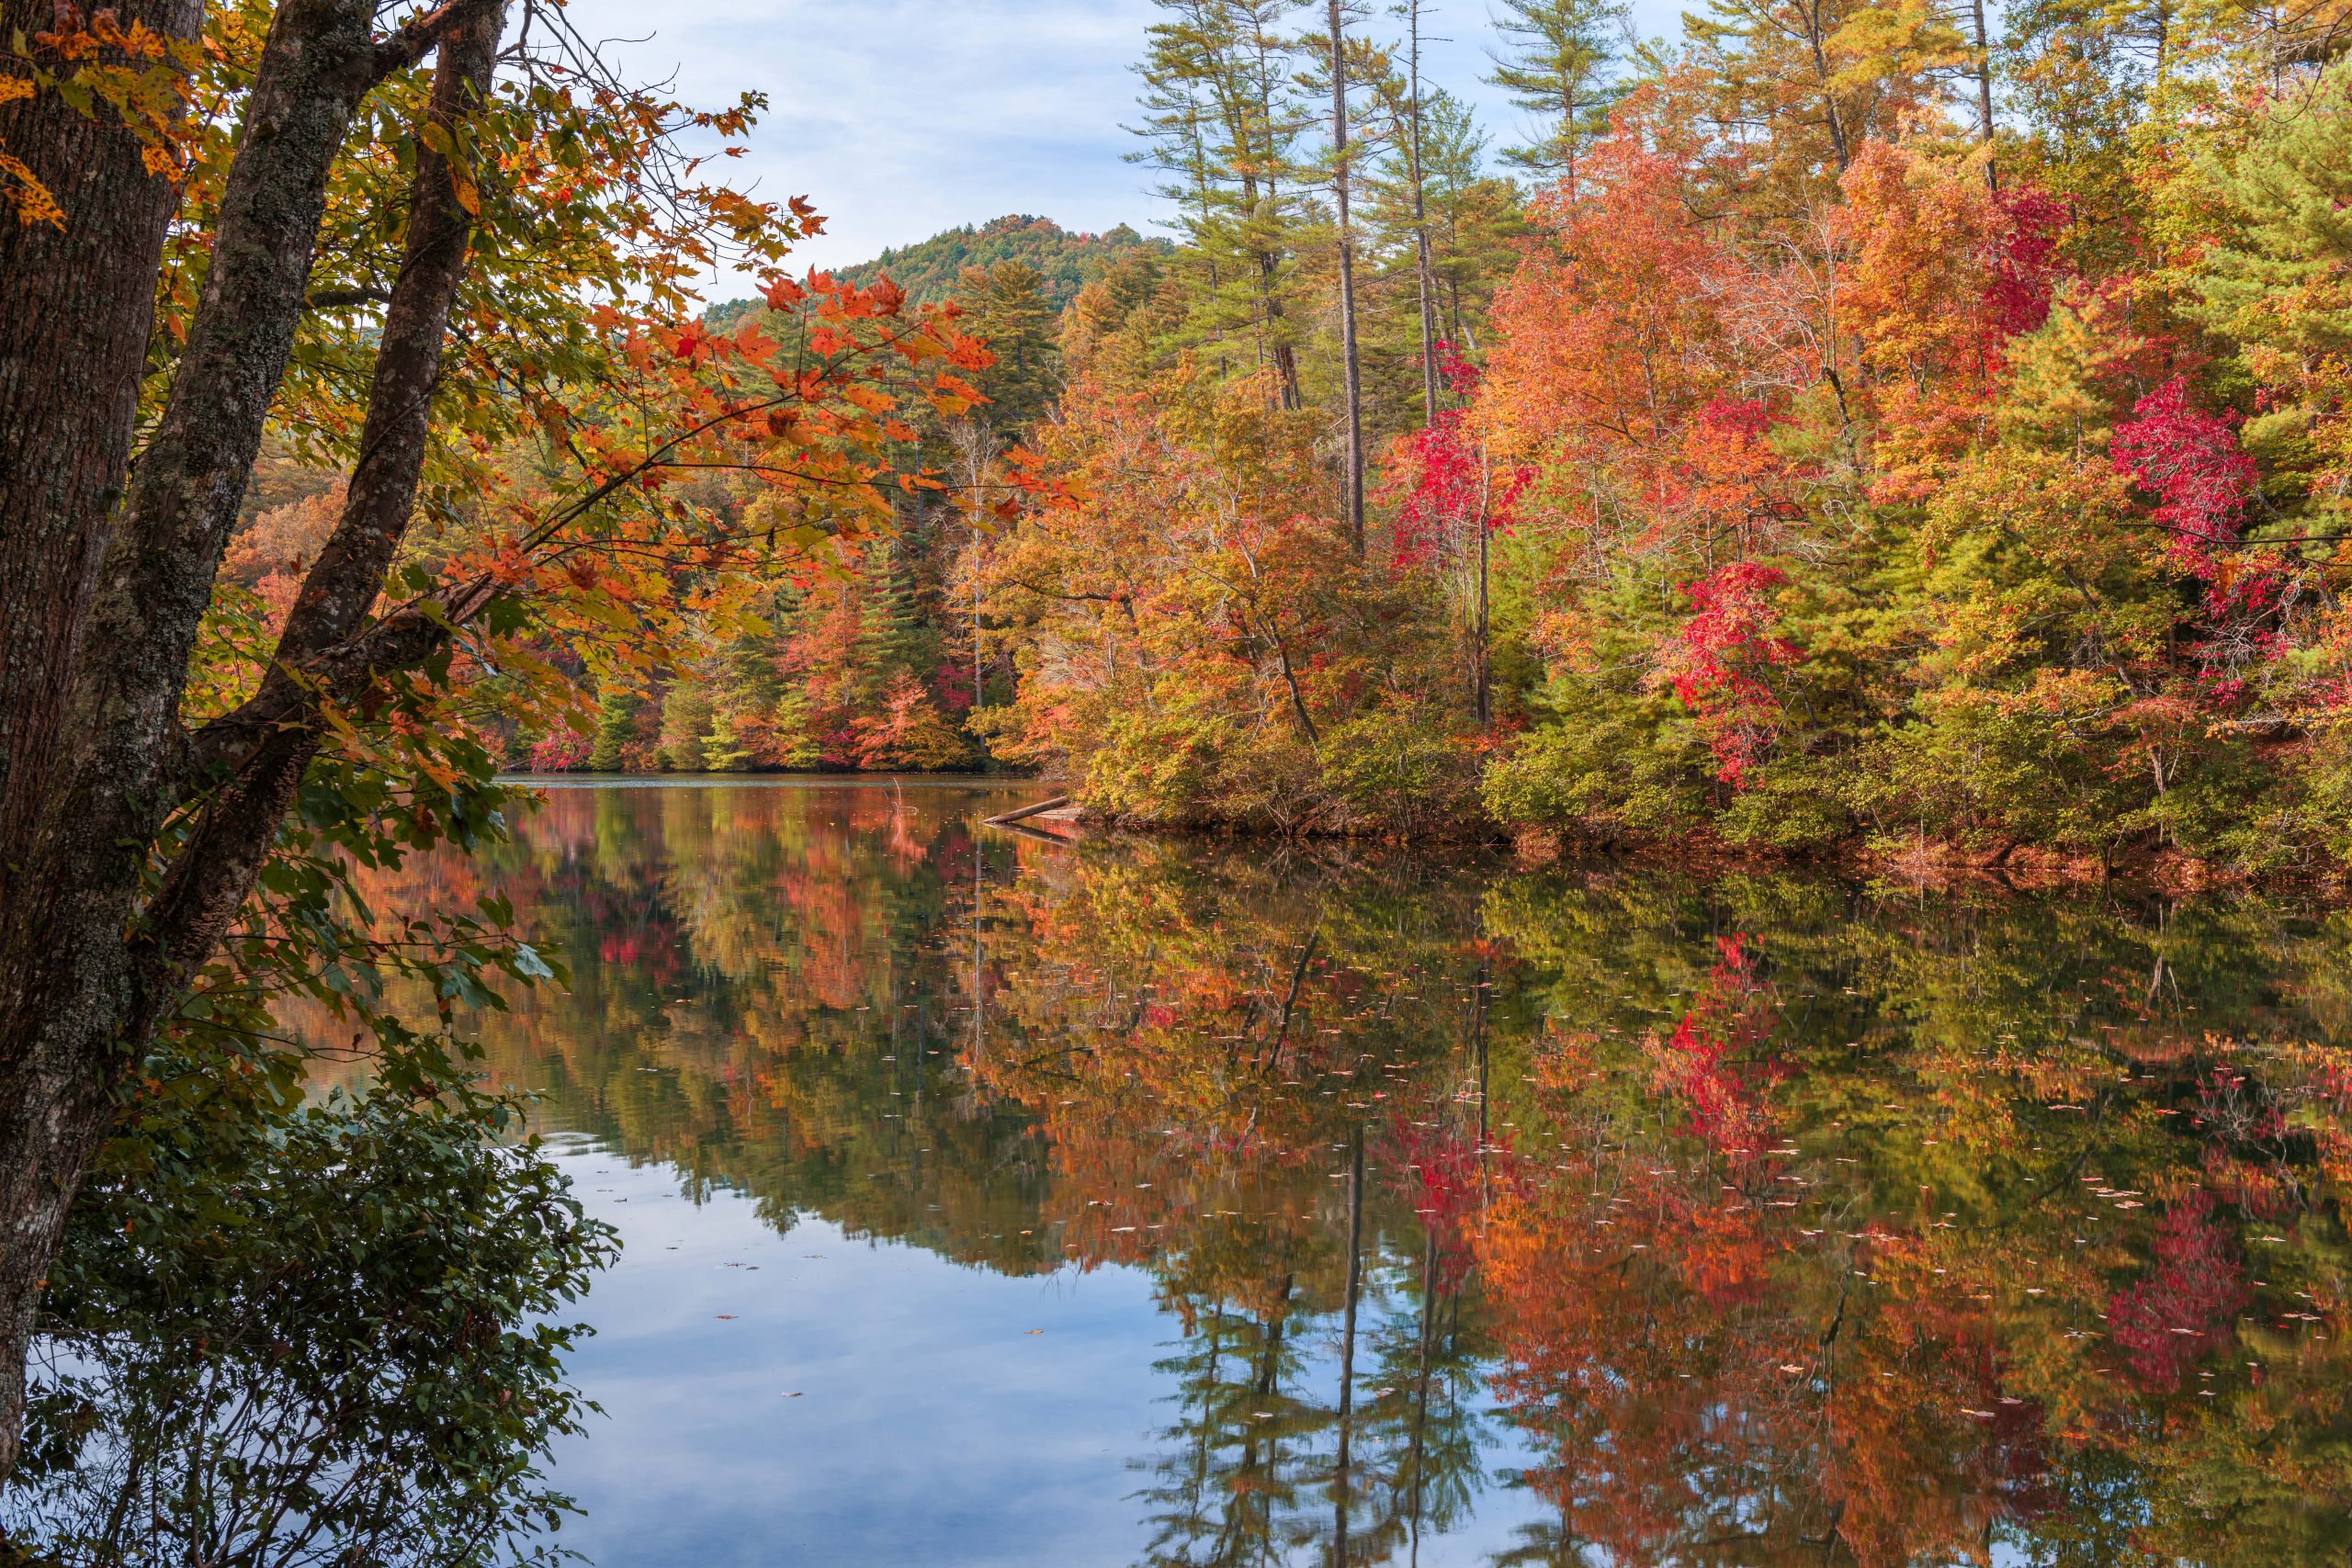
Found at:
(1448, 1183)
(2180, 1312)
(1705, 1060)
(1721, 1250)
(2015, 1460)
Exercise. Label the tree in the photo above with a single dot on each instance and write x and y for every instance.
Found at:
(336, 1314)
(1350, 371)
(1556, 67)
(540, 205)
(1823, 77)
(1223, 121)
(1410, 148)
(1470, 219)
(1005, 307)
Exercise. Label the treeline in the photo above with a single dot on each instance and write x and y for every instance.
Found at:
(1843, 427)
(1846, 427)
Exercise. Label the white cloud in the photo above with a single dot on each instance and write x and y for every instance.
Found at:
(902, 117)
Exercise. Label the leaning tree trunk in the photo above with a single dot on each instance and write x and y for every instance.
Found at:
(109, 571)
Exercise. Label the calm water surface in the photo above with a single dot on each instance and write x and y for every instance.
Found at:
(994, 1202)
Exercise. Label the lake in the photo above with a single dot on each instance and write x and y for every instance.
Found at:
(989, 1200)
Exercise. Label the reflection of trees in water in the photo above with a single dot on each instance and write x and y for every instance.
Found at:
(1250, 1469)
(1756, 1204)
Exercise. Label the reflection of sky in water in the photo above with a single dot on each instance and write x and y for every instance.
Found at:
(933, 1427)
(1728, 1116)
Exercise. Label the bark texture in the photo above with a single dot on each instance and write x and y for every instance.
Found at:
(76, 310)
(1351, 498)
(77, 304)
(92, 760)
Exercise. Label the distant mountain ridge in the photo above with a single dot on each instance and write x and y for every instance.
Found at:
(1065, 262)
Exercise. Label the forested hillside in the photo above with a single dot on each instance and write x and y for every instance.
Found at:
(1857, 429)
(931, 271)
(1065, 262)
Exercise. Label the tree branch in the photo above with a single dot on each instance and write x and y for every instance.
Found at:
(426, 31)
(214, 871)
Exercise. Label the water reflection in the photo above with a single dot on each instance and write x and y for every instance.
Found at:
(1490, 1216)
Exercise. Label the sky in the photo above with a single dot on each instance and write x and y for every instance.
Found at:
(901, 117)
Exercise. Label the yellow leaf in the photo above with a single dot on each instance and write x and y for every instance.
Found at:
(34, 204)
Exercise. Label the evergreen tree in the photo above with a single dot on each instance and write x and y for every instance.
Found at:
(1005, 306)
(1817, 80)
(617, 707)
(1474, 219)
(1555, 64)
(1223, 117)
(686, 718)
(897, 638)
(1409, 152)
(1114, 326)
(1350, 365)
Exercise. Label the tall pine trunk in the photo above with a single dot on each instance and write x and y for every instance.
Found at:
(1985, 94)
(1353, 388)
(1424, 275)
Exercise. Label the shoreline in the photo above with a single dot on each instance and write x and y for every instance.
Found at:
(1930, 863)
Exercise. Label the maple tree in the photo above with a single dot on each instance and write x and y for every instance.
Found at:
(511, 379)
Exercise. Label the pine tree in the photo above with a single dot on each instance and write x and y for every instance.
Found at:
(1223, 118)
(1473, 217)
(686, 721)
(1556, 65)
(1006, 308)
(1350, 365)
(1410, 152)
(617, 707)
(1817, 80)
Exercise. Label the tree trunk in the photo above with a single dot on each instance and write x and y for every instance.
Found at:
(1482, 692)
(96, 757)
(1811, 13)
(1342, 1478)
(1284, 355)
(1985, 94)
(1423, 273)
(77, 304)
(76, 310)
(1354, 377)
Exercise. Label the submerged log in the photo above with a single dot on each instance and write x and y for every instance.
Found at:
(1007, 818)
